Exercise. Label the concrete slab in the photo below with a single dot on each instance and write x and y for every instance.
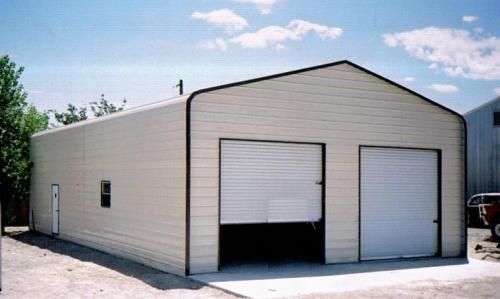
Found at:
(294, 279)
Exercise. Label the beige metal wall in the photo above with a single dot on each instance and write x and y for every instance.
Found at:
(341, 106)
(142, 153)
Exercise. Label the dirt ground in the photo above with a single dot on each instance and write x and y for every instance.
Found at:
(487, 249)
(38, 266)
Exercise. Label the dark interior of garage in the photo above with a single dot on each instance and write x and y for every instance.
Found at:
(271, 243)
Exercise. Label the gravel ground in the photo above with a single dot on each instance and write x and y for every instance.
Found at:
(487, 249)
(38, 266)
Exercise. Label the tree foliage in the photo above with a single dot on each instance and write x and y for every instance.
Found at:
(74, 114)
(71, 115)
(103, 107)
(18, 121)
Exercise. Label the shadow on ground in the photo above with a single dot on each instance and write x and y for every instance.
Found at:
(292, 270)
(155, 278)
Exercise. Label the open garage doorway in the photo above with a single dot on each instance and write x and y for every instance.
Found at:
(271, 202)
(274, 243)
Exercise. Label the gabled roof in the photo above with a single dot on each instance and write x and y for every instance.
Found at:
(490, 102)
(193, 95)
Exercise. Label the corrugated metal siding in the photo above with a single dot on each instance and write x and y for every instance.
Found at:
(399, 203)
(143, 155)
(483, 150)
(270, 182)
(340, 106)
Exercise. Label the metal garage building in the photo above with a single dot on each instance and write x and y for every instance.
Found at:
(483, 148)
(333, 159)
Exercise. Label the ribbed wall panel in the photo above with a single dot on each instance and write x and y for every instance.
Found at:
(143, 153)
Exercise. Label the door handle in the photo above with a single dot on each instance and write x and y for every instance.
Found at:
(435, 221)
(318, 183)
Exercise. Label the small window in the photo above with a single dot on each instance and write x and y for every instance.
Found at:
(496, 119)
(106, 194)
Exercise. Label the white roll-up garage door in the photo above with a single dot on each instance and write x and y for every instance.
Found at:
(399, 198)
(270, 182)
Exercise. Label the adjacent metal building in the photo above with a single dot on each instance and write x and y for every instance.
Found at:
(483, 148)
(371, 169)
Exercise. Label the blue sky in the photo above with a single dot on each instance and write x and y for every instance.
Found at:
(73, 51)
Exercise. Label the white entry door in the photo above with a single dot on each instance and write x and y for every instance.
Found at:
(399, 203)
(55, 209)
(270, 182)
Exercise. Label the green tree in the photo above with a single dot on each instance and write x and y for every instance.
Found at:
(71, 115)
(74, 114)
(18, 121)
(105, 108)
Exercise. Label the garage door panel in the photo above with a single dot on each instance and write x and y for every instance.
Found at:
(269, 182)
(399, 190)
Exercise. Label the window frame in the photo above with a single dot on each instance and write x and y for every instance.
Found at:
(105, 194)
(479, 199)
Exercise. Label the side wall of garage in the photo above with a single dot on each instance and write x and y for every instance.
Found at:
(142, 153)
(341, 106)
(483, 152)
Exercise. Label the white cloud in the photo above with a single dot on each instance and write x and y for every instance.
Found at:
(280, 47)
(469, 19)
(217, 43)
(264, 6)
(454, 71)
(455, 51)
(223, 18)
(478, 29)
(433, 66)
(295, 30)
(409, 79)
(443, 88)
(497, 91)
